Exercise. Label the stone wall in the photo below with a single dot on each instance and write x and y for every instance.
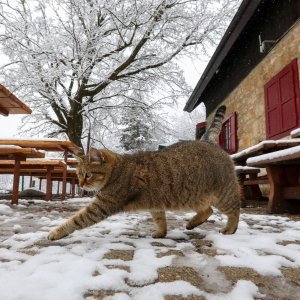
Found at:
(247, 99)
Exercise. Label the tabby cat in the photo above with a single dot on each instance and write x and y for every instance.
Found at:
(191, 175)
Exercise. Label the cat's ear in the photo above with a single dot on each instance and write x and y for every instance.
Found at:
(95, 155)
(79, 155)
(101, 155)
(108, 156)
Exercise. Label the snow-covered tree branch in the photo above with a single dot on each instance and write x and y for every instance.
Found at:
(70, 58)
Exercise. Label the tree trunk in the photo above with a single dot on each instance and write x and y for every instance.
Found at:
(75, 124)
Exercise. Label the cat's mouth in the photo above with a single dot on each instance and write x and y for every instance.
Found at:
(90, 188)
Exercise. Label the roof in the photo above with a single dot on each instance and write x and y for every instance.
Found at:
(236, 26)
(239, 47)
(10, 104)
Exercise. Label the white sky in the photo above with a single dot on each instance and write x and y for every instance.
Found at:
(9, 126)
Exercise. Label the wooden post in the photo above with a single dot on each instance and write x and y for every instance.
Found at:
(58, 183)
(40, 185)
(242, 178)
(16, 181)
(73, 187)
(30, 181)
(48, 184)
(64, 183)
(276, 202)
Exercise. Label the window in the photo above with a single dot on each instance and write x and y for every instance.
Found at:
(228, 136)
(200, 129)
(282, 102)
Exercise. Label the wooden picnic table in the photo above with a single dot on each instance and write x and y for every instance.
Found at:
(41, 174)
(55, 145)
(263, 147)
(72, 179)
(283, 170)
(40, 167)
(267, 148)
(16, 155)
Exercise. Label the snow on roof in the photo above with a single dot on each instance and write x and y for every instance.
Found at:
(273, 155)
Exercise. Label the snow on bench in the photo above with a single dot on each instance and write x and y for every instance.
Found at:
(10, 147)
(286, 156)
(265, 144)
(246, 170)
(295, 133)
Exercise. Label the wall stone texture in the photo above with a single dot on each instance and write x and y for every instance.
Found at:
(247, 99)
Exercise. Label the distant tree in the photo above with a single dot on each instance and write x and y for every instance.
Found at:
(73, 58)
(136, 132)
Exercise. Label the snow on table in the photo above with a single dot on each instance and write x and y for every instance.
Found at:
(275, 156)
(262, 144)
(25, 138)
(31, 267)
(295, 132)
(10, 147)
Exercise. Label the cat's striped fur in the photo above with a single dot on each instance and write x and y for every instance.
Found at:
(192, 175)
(215, 127)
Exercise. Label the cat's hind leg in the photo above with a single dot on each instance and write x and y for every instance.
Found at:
(159, 218)
(230, 206)
(232, 222)
(199, 218)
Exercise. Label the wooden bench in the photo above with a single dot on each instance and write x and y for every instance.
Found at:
(53, 145)
(41, 167)
(17, 154)
(283, 170)
(249, 182)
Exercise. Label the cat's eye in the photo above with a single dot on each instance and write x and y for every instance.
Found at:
(88, 175)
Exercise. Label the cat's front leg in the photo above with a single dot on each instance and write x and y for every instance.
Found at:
(93, 213)
(159, 218)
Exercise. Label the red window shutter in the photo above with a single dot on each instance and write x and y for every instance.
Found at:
(272, 108)
(233, 141)
(200, 129)
(228, 135)
(221, 138)
(282, 102)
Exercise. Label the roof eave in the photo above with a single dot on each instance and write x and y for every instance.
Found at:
(233, 31)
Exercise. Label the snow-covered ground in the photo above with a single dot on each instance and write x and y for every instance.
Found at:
(118, 259)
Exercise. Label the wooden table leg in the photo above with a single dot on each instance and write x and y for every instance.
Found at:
(30, 181)
(48, 184)
(64, 182)
(58, 184)
(73, 187)
(283, 179)
(16, 182)
(255, 189)
(242, 178)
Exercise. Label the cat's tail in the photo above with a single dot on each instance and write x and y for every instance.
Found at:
(212, 132)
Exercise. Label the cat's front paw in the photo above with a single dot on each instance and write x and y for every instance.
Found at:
(159, 234)
(56, 235)
(227, 230)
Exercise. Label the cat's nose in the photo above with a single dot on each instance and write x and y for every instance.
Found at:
(81, 183)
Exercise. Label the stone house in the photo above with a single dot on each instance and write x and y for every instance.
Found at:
(255, 73)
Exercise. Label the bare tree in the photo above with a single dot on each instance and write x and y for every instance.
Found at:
(72, 58)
